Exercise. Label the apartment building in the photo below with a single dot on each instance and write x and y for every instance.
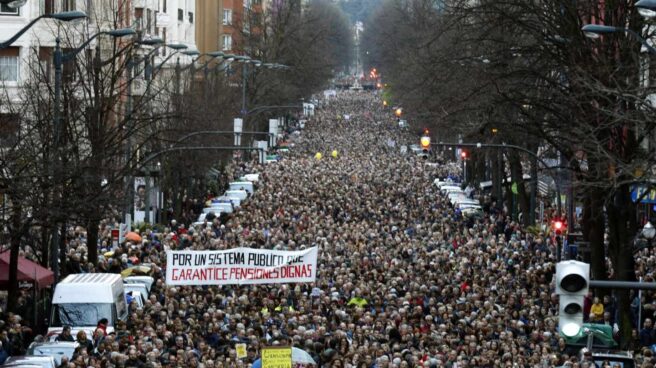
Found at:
(224, 23)
(172, 20)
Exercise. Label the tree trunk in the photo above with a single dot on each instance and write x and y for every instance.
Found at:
(45, 246)
(622, 227)
(496, 178)
(93, 225)
(15, 239)
(594, 228)
(63, 252)
(522, 199)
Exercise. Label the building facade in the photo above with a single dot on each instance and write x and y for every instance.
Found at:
(225, 24)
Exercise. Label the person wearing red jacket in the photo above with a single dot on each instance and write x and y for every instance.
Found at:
(102, 324)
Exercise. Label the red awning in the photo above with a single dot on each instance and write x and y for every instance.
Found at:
(27, 271)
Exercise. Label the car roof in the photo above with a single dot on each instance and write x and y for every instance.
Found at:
(29, 358)
(64, 344)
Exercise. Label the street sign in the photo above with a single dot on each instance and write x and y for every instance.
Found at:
(123, 229)
(115, 237)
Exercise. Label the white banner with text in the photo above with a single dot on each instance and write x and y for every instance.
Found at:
(240, 266)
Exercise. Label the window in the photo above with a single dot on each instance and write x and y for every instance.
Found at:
(46, 6)
(68, 5)
(227, 17)
(155, 27)
(6, 10)
(9, 127)
(9, 64)
(163, 38)
(149, 21)
(227, 42)
(191, 17)
(46, 62)
(180, 15)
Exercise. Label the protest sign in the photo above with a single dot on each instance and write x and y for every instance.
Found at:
(277, 357)
(240, 266)
(241, 351)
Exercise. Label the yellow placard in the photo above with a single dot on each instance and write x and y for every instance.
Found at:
(241, 350)
(277, 357)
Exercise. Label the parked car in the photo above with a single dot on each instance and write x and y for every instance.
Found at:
(145, 280)
(219, 207)
(55, 349)
(236, 202)
(25, 361)
(241, 194)
(250, 177)
(136, 297)
(141, 288)
(242, 185)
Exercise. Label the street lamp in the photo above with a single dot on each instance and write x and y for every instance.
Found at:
(646, 8)
(14, 4)
(595, 31)
(245, 60)
(62, 16)
(58, 60)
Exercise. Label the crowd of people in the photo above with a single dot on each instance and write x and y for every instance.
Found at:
(404, 279)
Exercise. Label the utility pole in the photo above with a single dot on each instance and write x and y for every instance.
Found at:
(129, 185)
(56, 123)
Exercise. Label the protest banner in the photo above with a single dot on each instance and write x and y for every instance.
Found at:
(241, 351)
(240, 266)
(277, 357)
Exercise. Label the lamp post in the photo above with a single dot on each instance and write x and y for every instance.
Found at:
(646, 8)
(15, 4)
(58, 59)
(62, 16)
(151, 169)
(595, 31)
(244, 60)
(648, 232)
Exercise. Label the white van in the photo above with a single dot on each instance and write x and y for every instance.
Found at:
(241, 194)
(81, 300)
(242, 185)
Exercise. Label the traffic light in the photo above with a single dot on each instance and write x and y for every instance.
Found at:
(398, 112)
(572, 283)
(464, 154)
(426, 132)
(558, 226)
(425, 142)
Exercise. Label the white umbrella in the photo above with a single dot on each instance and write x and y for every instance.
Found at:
(302, 357)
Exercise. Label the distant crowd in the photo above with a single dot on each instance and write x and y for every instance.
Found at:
(404, 280)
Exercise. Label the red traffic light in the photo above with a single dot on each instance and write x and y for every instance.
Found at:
(558, 225)
(426, 132)
(463, 154)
